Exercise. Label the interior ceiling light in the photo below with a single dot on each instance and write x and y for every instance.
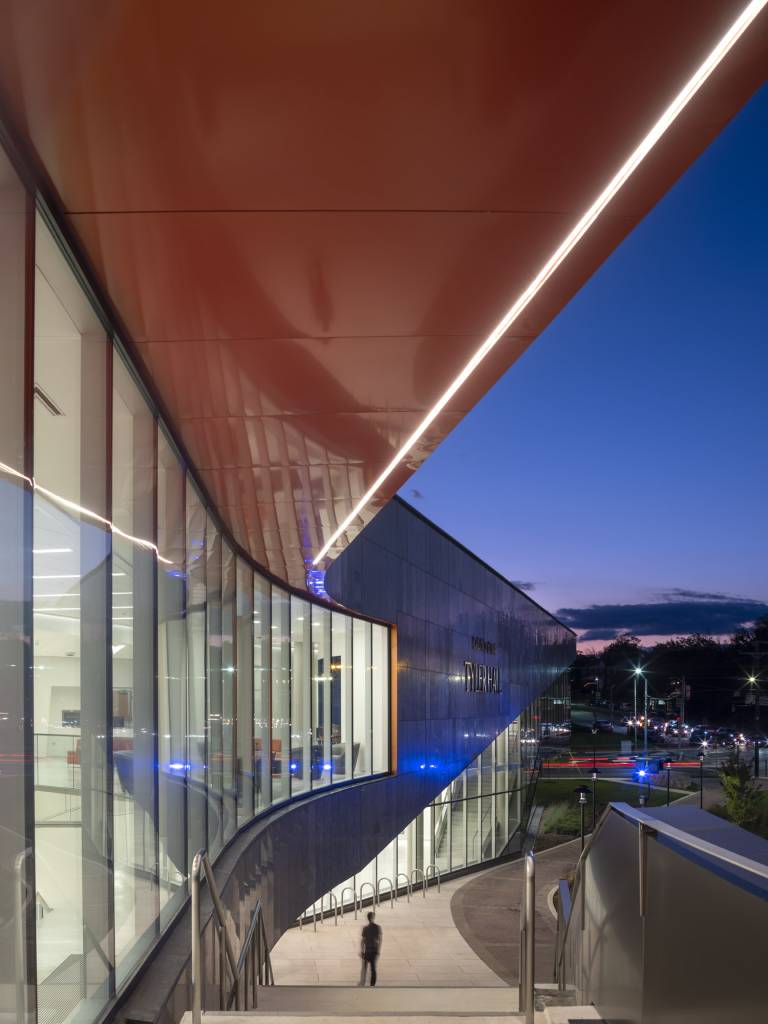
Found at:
(678, 104)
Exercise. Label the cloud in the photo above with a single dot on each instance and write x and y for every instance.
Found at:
(681, 612)
(524, 585)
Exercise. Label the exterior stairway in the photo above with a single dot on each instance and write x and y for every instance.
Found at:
(318, 1004)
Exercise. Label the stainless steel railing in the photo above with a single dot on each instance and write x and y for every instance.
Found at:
(239, 977)
(648, 827)
(528, 939)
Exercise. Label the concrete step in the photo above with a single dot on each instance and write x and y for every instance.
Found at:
(346, 1000)
(257, 1017)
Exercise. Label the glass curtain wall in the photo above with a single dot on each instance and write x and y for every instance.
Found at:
(478, 816)
(173, 691)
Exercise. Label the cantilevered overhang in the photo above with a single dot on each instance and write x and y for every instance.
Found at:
(308, 216)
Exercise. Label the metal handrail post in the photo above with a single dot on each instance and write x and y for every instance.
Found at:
(197, 976)
(402, 874)
(22, 894)
(222, 969)
(530, 934)
(521, 955)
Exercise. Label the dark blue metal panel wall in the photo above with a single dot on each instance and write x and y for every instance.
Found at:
(404, 569)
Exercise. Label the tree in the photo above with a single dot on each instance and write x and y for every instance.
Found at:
(742, 795)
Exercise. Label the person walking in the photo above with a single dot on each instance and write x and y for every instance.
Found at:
(370, 947)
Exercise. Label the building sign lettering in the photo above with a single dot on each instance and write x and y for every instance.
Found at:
(481, 678)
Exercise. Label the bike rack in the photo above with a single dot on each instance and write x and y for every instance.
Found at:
(391, 891)
(435, 871)
(334, 906)
(423, 881)
(374, 894)
(402, 874)
(348, 888)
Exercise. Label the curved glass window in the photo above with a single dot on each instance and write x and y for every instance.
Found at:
(176, 690)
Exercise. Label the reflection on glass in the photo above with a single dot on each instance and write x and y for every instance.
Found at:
(322, 765)
(72, 596)
(228, 687)
(262, 644)
(342, 754)
(197, 749)
(175, 691)
(136, 893)
(244, 716)
(361, 687)
(301, 707)
(172, 754)
(281, 695)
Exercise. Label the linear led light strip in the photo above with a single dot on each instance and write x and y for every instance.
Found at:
(569, 243)
(81, 510)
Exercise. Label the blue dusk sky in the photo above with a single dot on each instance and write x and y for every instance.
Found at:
(619, 469)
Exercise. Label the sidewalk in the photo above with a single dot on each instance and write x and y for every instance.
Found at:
(421, 947)
(486, 912)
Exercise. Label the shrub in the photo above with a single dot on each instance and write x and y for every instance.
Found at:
(742, 796)
(562, 818)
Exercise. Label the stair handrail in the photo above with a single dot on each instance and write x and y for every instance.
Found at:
(253, 966)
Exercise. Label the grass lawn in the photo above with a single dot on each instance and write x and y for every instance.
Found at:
(583, 740)
(561, 809)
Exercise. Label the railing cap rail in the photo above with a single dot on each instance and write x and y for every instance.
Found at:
(693, 842)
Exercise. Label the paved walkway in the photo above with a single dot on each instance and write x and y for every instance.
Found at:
(486, 911)
(421, 947)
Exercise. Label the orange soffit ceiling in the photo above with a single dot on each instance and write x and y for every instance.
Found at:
(309, 217)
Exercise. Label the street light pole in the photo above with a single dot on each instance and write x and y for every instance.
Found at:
(582, 793)
(594, 797)
(645, 717)
(701, 781)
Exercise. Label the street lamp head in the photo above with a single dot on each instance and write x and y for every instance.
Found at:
(638, 671)
(583, 793)
(595, 773)
(752, 680)
(701, 757)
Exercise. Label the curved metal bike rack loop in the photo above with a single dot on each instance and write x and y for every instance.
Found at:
(374, 896)
(423, 881)
(348, 888)
(435, 871)
(391, 891)
(402, 874)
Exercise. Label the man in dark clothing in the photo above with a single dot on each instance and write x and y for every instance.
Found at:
(370, 947)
